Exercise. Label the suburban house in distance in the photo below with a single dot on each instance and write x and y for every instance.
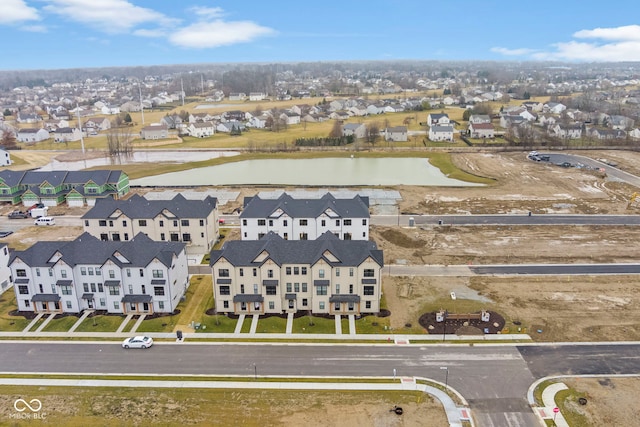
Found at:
(139, 276)
(5, 272)
(5, 158)
(396, 134)
(32, 135)
(441, 133)
(273, 275)
(76, 188)
(154, 132)
(481, 130)
(194, 222)
(305, 219)
(358, 130)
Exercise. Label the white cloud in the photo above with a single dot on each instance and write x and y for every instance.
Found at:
(208, 12)
(34, 28)
(111, 16)
(613, 44)
(143, 32)
(512, 52)
(217, 33)
(13, 11)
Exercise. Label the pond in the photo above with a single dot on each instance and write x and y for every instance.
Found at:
(327, 171)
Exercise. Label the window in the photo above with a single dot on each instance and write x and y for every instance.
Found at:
(270, 274)
(321, 305)
(364, 222)
(303, 270)
(303, 222)
(305, 302)
(255, 272)
(255, 288)
(304, 287)
(244, 222)
(296, 287)
(85, 286)
(83, 271)
(289, 287)
(337, 272)
(124, 223)
(270, 223)
(130, 289)
(364, 234)
(350, 289)
(23, 289)
(157, 274)
(93, 287)
(241, 272)
(162, 236)
(102, 223)
(126, 236)
(346, 222)
(186, 237)
(260, 236)
(128, 272)
(175, 237)
(271, 290)
(287, 271)
(66, 290)
(161, 223)
(161, 305)
(114, 290)
(225, 290)
(272, 305)
(285, 222)
(323, 223)
(86, 222)
(144, 289)
(369, 290)
(350, 271)
(296, 270)
(103, 302)
(110, 223)
(347, 236)
(53, 288)
(51, 272)
(285, 236)
(90, 271)
(351, 306)
(142, 222)
(69, 305)
(337, 223)
(104, 237)
(202, 223)
(225, 304)
(112, 274)
(175, 222)
(142, 272)
(98, 271)
(38, 272)
(100, 287)
(304, 236)
(184, 222)
(368, 272)
(321, 273)
(262, 222)
(321, 290)
(337, 288)
(242, 289)
(291, 303)
(116, 305)
(158, 291)
(367, 305)
(63, 274)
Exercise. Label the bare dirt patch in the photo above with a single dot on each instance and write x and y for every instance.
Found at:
(610, 401)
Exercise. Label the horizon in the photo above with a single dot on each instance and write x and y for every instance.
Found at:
(147, 33)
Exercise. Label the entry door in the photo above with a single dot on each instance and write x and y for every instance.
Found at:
(90, 303)
(145, 306)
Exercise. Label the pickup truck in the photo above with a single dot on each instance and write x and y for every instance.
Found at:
(18, 214)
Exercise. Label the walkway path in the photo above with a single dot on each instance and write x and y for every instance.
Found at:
(338, 319)
(352, 324)
(254, 323)
(239, 324)
(138, 322)
(33, 322)
(85, 314)
(124, 323)
(289, 323)
(549, 401)
(46, 322)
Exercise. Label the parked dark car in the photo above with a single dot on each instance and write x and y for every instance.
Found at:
(5, 233)
(18, 214)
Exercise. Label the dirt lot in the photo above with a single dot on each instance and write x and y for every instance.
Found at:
(610, 401)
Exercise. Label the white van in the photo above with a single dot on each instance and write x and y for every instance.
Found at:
(45, 220)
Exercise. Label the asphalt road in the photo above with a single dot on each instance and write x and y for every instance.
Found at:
(494, 379)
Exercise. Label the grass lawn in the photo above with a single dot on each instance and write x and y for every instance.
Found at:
(218, 324)
(319, 325)
(130, 324)
(246, 325)
(344, 321)
(61, 324)
(372, 325)
(100, 324)
(272, 324)
(159, 324)
(10, 323)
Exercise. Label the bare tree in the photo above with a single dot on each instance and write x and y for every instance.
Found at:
(119, 141)
(8, 139)
(372, 133)
(336, 130)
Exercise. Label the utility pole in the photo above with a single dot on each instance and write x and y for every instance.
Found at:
(80, 127)
(141, 105)
(182, 90)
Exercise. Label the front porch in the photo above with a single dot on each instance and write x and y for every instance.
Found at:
(137, 304)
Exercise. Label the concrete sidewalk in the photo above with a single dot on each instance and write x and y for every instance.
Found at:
(455, 414)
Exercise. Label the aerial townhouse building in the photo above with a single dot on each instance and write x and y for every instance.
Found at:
(194, 222)
(273, 275)
(305, 219)
(139, 276)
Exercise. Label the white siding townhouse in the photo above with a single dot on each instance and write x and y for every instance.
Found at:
(139, 276)
(5, 272)
(5, 157)
(273, 275)
(305, 219)
(194, 222)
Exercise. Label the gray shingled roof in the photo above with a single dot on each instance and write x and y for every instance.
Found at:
(255, 207)
(88, 250)
(33, 178)
(348, 252)
(137, 207)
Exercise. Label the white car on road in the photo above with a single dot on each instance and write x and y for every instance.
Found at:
(137, 342)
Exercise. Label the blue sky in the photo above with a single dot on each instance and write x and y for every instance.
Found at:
(46, 34)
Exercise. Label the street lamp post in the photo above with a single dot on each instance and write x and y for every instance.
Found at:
(255, 371)
(444, 326)
(446, 378)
